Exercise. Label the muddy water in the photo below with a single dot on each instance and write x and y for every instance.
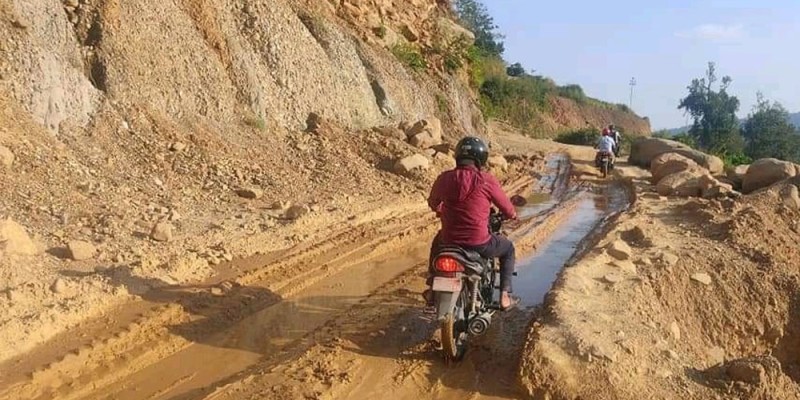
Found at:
(537, 272)
(262, 334)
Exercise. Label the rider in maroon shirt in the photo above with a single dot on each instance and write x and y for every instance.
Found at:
(462, 197)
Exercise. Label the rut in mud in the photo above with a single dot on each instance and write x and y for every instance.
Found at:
(340, 318)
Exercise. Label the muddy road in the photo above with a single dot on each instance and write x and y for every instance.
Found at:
(336, 319)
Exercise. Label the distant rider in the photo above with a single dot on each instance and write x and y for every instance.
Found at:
(462, 197)
(606, 145)
(617, 138)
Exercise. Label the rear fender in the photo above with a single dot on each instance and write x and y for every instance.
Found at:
(445, 303)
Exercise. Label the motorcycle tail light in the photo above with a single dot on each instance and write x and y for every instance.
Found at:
(448, 264)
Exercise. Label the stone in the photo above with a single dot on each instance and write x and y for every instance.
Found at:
(80, 250)
(422, 140)
(410, 33)
(405, 165)
(6, 157)
(669, 163)
(251, 193)
(174, 216)
(791, 197)
(619, 250)
(675, 331)
(645, 149)
(626, 266)
(162, 232)
(702, 277)
(669, 259)
(613, 278)
(59, 286)
(433, 126)
(682, 184)
(392, 132)
(178, 147)
(452, 32)
(744, 371)
(711, 187)
(280, 205)
(296, 211)
(497, 163)
(15, 240)
(736, 175)
(766, 172)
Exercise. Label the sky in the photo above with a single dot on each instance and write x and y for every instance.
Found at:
(600, 45)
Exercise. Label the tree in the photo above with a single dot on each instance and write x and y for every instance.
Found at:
(515, 69)
(715, 128)
(769, 133)
(474, 15)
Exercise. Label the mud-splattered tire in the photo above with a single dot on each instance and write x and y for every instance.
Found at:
(604, 168)
(453, 349)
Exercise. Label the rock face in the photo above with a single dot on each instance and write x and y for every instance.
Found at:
(14, 239)
(405, 165)
(668, 164)
(498, 163)
(682, 184)
(766, 172)
(645, 150)
(80, 250)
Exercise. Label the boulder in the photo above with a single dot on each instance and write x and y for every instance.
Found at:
(14, 239)
(736, 175)
(80, 250)
(791, 197)
(405, 165)
(161, 232)
(669, 163)
(423, 140)
(498, 163)
(766, 172)
(683, 184)
(392, 132)
(297, 211)
(644, 150)
(711, 187)
(432, 126)
(6, 157)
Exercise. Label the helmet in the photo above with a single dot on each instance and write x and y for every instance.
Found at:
(605, 132)
(611, 127)
(472, 148)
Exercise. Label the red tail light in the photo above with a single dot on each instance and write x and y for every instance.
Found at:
(448, 264)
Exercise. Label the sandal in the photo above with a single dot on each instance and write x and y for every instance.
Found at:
(514, 301)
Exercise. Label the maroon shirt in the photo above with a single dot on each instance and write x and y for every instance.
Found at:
(463, 197)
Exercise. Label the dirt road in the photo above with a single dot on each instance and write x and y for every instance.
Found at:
(337, 319)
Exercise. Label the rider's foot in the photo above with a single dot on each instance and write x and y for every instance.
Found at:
(506, 301)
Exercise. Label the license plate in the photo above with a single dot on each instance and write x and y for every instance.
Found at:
(446, 284)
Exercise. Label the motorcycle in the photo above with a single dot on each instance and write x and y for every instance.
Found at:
(466, 290)
(605, 163)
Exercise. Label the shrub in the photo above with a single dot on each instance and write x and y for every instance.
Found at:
(410, 56)
(582, 137)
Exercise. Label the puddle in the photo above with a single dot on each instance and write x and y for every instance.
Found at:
(537, 273)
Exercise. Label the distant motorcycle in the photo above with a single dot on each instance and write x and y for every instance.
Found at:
(604, 162)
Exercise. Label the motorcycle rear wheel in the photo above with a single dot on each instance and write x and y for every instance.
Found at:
(454, 332)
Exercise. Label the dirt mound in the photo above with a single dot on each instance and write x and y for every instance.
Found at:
(708, 288)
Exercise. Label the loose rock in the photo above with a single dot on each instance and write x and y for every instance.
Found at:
(405, 165)
(178, 147)
(675, 330)
(80, 250)
(59, 286)
(14, 239)
(702, 277)
(619, 250)
(6, 157)
(250, 193)
(296, 211)
(162, 232)
(766, 172)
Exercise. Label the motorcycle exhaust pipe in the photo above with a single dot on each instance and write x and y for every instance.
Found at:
(480, 324)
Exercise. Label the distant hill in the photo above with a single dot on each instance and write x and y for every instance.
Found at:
(793, 118)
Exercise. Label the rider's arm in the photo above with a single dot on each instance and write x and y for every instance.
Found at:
(435, 197)
(499, 198)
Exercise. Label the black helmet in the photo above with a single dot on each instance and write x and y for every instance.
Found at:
(472, 148)
(611, 127)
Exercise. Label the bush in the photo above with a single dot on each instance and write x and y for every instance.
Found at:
(574, 92)
(583, 137)
(410, 56)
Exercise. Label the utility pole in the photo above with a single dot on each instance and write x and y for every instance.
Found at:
(632, 83)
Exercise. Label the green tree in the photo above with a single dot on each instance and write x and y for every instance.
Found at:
(474, 15)
(715, 128)
(515, 69)
(768, 132)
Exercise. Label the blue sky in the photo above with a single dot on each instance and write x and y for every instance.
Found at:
(664, 44)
